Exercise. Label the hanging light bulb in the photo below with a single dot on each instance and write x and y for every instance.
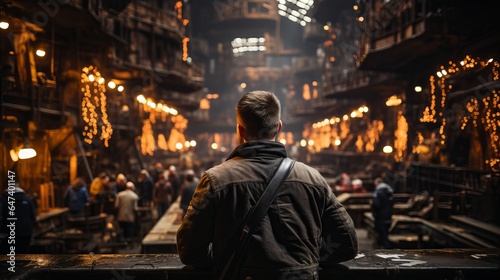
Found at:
(26, 151)
(387, 149)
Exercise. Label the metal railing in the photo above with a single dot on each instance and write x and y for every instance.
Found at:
(443, 178)
(349, 79)
(397, 21)
(246, 9)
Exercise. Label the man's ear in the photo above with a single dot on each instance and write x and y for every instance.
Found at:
(242, 132)
(280, 125)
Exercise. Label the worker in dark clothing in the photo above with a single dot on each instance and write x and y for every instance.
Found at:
(187, 190)
(382, 205)
(17, 225)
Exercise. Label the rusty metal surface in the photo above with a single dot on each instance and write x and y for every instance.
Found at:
(380, 264)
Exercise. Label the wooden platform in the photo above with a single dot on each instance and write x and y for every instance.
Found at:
(440, 235)
(485, 230)
(162, 238)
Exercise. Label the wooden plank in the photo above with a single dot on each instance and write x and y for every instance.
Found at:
(476, 223)
(162, 238)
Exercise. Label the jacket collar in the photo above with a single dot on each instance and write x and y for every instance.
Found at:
(259, 149)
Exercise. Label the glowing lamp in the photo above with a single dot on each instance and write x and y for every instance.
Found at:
(13, 155)
(303, 143)
(26, 151)
(387, 149)
(4, 24)
(40, 53)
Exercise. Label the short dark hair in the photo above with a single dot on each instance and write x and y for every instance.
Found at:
(378, 181)
(78, 182)
(259, 113)
(189, 177)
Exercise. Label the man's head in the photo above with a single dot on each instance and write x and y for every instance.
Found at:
(121, 179)
(78, 183)
(104, 177)
(130, 186)
(378, 181)
(143, 174)
(158, 166)
(258, 116)
(357, 183)
(189, 175)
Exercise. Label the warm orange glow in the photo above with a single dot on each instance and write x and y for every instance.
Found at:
(185, 53)
(401, 137)
(480, 112)
(204, 104)
(306, 93)
(94, 106)
(393, 101)
(178, 9)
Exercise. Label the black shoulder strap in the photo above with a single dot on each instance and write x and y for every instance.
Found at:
(258, 212)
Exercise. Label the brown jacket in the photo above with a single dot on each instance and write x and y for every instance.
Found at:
(306, 225)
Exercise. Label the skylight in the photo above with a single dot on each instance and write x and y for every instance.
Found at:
(295, 10)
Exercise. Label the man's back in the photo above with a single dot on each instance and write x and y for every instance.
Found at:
(382, 202)
(126, 202)
(289, 238)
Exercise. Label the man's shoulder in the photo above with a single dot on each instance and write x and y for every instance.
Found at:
(307, 174)
(228, 169)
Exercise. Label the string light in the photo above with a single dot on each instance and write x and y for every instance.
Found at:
(485, 110)
(393, 101)
(159, 111)
(359, 144)
(401, 137)
(94, 106)
(147, 138)
(373, 132)
(178, 9)
(334, 129)
(185, 52)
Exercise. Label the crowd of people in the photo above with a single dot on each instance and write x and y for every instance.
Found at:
(344, 184)
(122, 196)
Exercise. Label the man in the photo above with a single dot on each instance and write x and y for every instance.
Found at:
(121, 183)
(163, 195)
(187, 190)
(146, 187)
(75, 197)
(287, 244)
(98, 185)
(126, 205)
(382, 205)
(25, 220)
(357, 186)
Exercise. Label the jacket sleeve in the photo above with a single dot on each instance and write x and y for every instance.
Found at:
(195, 234)
(376, 202)
(86, 194)
(339, 235)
